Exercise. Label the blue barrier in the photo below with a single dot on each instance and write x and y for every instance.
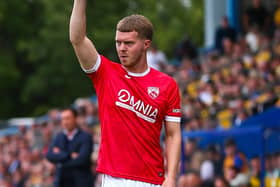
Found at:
(260, 133)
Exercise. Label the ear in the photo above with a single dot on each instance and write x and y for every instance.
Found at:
(147, 44)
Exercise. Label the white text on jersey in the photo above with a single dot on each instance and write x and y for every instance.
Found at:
(142, 110)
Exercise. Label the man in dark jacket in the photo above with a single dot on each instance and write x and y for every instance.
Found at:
(71, 151)
(224, 31)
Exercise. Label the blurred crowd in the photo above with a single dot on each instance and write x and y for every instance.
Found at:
(23, 162)
(22, 156)
(214, 167)
(237, 78)
(220, 88)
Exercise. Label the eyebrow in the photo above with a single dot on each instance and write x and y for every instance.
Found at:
(125, 41)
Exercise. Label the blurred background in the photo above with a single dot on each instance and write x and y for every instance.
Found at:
(224, 55)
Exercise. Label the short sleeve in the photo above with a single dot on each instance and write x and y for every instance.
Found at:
(174, 109)
(95, 67)
(100, 70)
(99, 74)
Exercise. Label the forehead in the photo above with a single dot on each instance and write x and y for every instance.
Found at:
(124, 36)
(66, 113)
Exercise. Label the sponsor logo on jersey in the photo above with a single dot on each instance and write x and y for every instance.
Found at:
(153, 92)
(141, 109)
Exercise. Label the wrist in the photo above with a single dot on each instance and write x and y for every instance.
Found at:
(170, 177)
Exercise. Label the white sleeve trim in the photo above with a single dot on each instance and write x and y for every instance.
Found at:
(173, 119)
(95, 67)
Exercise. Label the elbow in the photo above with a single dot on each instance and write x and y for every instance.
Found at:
(75, 40)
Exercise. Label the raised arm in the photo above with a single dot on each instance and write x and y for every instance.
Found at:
(84, 48)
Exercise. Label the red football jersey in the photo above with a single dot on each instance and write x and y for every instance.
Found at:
(132, 109)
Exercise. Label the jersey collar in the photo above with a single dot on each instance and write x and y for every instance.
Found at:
(139, 74)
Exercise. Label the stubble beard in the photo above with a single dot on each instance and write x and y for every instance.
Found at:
(130, 62)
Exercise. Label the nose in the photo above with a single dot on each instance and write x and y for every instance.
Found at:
(122, 46)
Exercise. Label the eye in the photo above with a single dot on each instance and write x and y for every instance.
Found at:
(130, 43)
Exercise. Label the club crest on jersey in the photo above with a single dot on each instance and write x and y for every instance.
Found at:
(153, 92)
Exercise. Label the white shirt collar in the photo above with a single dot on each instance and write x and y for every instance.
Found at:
(139, 74)
(72, 135)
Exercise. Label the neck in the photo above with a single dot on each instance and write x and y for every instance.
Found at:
(137, 69)
(70, 131)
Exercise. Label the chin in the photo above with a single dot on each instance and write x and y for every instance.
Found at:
(125, 63)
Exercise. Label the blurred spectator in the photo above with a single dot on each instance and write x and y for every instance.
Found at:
(234, 158)
(276, 165)
(88, 112)
(36, 178)
(191, 179)
(220, 181)
(269, 166)
(196, 161)
(212, 165)
(255, 172)
(253, 38)
(35, 137)
(189, 150)
(256, 15)
(276, 15)
(207, 170)
(71, 152)
(156, 58)
(272, 170)
(240, 117)
(235, 177)
(224, 31)
(18, 179)
(185, 49)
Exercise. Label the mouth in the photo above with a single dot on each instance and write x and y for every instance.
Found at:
(123, 57)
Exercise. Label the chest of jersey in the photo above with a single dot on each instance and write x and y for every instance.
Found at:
(142, 96)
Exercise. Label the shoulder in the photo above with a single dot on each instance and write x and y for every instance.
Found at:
(108, 66)
(161, 76)
(167, 82)
(58, 137)
(108, 61)
(103, 67)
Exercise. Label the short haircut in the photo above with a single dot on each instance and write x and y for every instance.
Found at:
(72, 110)
(138, 23)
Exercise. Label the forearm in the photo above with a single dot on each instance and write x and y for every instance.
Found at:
(57, 157)
(173, 149)
(78, 22)
(82, 157)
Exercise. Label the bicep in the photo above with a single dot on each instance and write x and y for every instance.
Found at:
(86, 53)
